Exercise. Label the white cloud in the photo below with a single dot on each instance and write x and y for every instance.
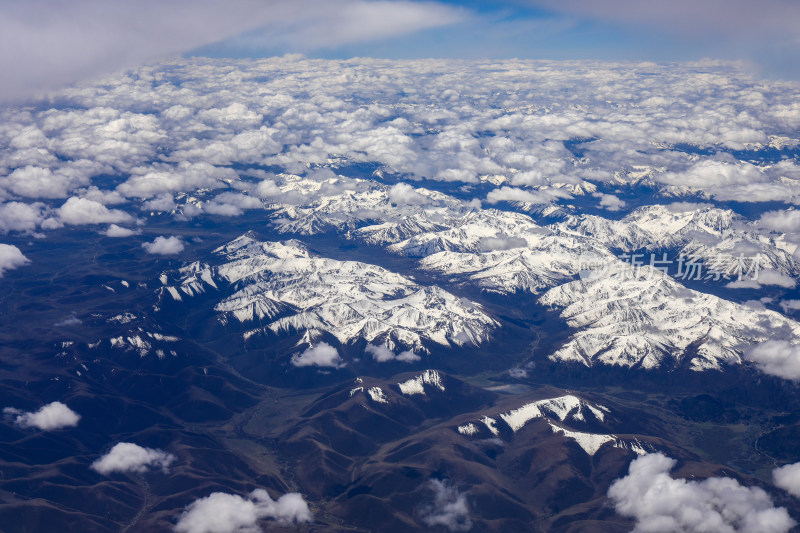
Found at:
(405, 194)
(513, 194)
(787, 477)
(687, 207)
(764, 277)
(76, 211)
(661, 504)
(380, 353)
(710, 174)
(230, 513)
(130, 457)
(776, 358)
(449, 507)
(609, 201)
(408, 356)
(35, 182)
(772, 277)
(185, 177)
(323, 354)
(790, 305)
(71, 320)
(54, 415)
(268, 188)
(164, 246)
(10, 258)
(231, 204)
(162, 202)
(118, 231)
(18, 216)
(383, 354)
(501, 242)
(784, 221)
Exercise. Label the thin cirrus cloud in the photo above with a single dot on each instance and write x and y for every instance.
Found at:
(703, 19)
(765, 32)
(48, 43)
(308, 26)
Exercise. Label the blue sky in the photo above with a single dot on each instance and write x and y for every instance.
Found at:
(587, 29)
(47, 43)
(487, 30)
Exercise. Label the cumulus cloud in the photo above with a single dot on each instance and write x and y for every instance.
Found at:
(164, 246)
(787, 477)
(55, 415)
(448, 508)
(130, 457)
(661, 504)
(513, 194)
(76, 211)
(19, 216)
(405, 194)
(162, 202)
(383, 354)
(185, 177)
(776, 358)
(323, 354)
(231, 204)
(710, 173)
(784, 221)
(470, 122)
(118, 231)
(220, 512)
(609, 201)
(10, 258)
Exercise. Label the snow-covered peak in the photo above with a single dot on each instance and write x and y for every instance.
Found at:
(718, 237)
(557, 413)
(642, 317)
(362, 203)
(563, 408)
(417, 384)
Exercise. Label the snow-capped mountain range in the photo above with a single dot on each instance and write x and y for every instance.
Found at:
(294, 290)
(628, 316)
(623, 317)
(559, 413)
(715, 236)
